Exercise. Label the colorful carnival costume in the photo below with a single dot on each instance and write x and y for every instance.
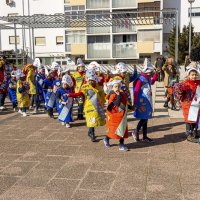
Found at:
(188, 92)
(12, 87)
(22, 93)
(170, 77)
(3, 83)
(65, 103)
(93, 104)
(143, 99)
(79, 77)
(116, 115)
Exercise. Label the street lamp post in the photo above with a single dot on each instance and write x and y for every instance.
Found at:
(190, 26)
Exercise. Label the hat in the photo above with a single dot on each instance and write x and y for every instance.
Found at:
(115, 81)
(94, 66)
(64, 69)
(91, 75)
(147, 66)
(67, 79)
(13, 73)
(193, 66)
(19, 74)
(54, 66)
(121, 67)
(79, 61)
(40, 68)
(37, 63)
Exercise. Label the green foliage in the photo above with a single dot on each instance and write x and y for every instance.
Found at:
(183, 42)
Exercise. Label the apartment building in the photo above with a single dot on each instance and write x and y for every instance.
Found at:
(108, 44)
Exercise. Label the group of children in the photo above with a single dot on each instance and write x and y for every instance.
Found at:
(91, 90)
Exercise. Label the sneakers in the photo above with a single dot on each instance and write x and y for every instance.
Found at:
(35, 110)
(63, 123)
(92, 137)
(147, 139)
(165, 105)
(192, 139)
(67, 125)
(135, 136)
(24, 114)
(19, 111)
(106, 143)
(122, 147)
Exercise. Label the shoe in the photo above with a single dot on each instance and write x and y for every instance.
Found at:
(63, 123)
(35, 110)
(147, 139)
(92, 137)
(68, 125)
(2, 108)
(192, 139)
(122, 147)
(31, 107)
(165, 105)
(24, 114)
(106, 143)
(20, 112)
(14, 109)
(135, 136)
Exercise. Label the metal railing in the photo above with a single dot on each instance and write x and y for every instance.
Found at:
(99, 50)
(125, 50)
(124, 3)
(91, 4)
(124, 28)
(97, 30)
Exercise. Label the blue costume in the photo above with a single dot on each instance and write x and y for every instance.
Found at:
(64, 104)
(39, 88)
(12, 92)
(144, 105)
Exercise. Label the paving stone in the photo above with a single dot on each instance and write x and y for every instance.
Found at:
(26, 193)
(65, 150)
(7, 159)
(163, 196)
(62, 189)
(191, 192)
(6, 183)
(90, 195)
(18, 168)
(37, 178)
(52, 162)
(98, 181)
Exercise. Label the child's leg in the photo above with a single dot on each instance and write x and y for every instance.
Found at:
(91, 134)
(122, 147)
(106, 141)
(145, 137)
(191, 136)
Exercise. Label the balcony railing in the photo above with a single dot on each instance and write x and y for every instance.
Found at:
(91, 4)
(125, 50)
(124, 29)
(97, 30)
(99, 50)
(68, 47)
(157, 47)
(124, 3)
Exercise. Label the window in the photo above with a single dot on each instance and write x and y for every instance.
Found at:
(59, 40)
(99, 39)
(75, 11)
(125, 38)
(195, 12)
(12, 39)
(40, 41)
(75, 37)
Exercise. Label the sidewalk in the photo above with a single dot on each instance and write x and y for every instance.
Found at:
(42, 160)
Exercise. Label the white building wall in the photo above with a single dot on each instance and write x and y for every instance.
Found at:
(36, 7)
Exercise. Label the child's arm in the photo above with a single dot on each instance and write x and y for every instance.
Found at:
(136, 91)
(154, 78)
(74, 95)
(134, 76)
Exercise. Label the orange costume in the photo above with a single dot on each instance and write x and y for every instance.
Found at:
(116, 115)
(190, 91)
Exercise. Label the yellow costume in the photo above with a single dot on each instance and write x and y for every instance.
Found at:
(30, 78)
(93, 105)
(79, 79)
(23, 97)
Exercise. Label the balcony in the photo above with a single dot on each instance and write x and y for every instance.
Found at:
(126, 28)
(97, 30)
(99, 50)
(68, 47)
(125, 50)
(157, 47)
(91, 4)
(124, 4)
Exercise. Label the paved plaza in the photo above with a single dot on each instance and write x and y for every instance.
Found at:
(42, 160)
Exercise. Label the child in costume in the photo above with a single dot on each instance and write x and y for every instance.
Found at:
(93, 103)
(79, 77)
(143, 100)
(116, 115)
(12, 86)
(3, 83)
(50, 96)
(65, 103)
(40, 77)
(188, 92)
(170, 77)
(22, 93)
